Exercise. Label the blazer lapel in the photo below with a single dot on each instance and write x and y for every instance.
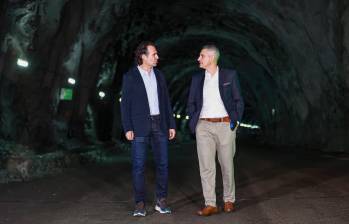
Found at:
(139, 80)
(158, 85)
(201, 86)
(221, 80)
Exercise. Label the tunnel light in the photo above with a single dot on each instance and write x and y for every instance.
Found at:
(120, 99)
(101, 94)
(178, 116)
(250, 126)
(187, 117)
(22, 63)
(174, 115)
(273, 111)
(71, 81)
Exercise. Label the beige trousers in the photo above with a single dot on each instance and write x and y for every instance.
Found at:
(212, 137)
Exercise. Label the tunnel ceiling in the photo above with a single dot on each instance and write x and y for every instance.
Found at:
(291, 58)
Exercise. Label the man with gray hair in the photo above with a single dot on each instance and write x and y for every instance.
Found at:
(215, 107)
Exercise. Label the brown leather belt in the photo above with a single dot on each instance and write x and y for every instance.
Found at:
(217, 119)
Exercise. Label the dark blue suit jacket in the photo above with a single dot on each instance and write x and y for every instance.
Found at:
(229, 89)
(135, 111)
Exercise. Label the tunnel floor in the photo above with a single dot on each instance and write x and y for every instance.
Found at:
(273, 186)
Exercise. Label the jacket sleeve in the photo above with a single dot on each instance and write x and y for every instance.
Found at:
(237, 97)
(126, 104)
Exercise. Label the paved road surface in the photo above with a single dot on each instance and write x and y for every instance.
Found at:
(273, 186)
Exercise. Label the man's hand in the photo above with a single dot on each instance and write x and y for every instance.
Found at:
(171, 134)
(130, 135)
(234, 125)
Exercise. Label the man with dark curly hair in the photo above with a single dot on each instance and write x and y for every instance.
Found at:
(147, 119)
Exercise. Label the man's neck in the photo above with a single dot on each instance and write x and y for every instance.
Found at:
(212, 69)
(146, 68)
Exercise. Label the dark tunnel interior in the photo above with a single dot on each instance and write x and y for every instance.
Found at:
(62, 62)
(64, 156)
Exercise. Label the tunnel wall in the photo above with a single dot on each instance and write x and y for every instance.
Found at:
(302, 46)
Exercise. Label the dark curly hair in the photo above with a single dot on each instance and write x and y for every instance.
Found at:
(142, 49)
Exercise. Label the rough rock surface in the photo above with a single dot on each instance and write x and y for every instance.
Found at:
(292, 57)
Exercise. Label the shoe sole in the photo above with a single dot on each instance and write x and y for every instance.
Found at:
(139, 215)
(205, 215)
(157, 208)
(228, 211)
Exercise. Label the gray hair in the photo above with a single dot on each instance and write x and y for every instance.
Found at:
(213, 48)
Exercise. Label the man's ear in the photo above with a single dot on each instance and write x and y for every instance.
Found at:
(212, 57)
(144, 56)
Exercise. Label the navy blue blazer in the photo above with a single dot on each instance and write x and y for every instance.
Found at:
(229, 89)
(135, 111)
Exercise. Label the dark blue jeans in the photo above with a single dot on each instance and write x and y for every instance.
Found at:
(159, 144)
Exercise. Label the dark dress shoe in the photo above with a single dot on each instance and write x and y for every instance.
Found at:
(207, 211)
(229, 206)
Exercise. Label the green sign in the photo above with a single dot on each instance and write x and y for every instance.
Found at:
(66, 94)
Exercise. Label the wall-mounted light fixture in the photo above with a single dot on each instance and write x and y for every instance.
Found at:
(71, 81)
(101, 94)
(22, 63)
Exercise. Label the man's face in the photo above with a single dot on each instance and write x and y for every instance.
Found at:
(150, 59)
(206, 58)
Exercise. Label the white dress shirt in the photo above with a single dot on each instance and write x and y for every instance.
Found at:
(151, 88)
(212, 106)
